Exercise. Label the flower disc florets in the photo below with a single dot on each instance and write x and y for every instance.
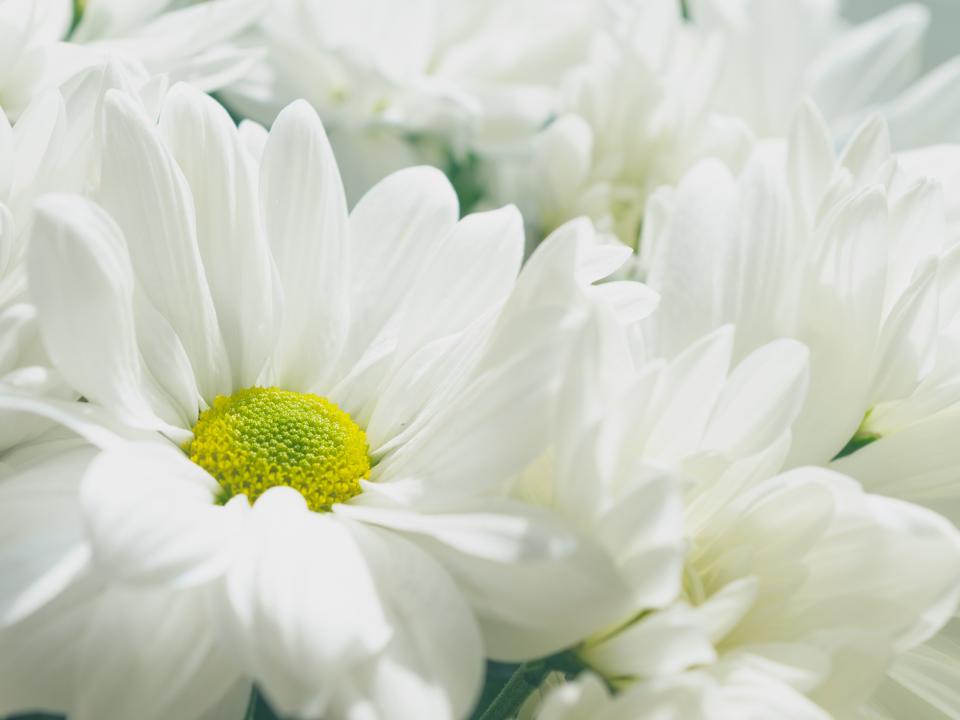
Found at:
(259, 438)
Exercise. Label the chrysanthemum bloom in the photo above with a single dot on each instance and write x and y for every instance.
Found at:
(635, 115)
(847, 254)
(757, 585)
(296, 429)
(775, 54)
(46, 42)
(54, 146)
(425, 81)
(851, 256)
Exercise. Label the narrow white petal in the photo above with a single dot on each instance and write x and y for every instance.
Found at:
(760, 400)
(42, 545)
(182, 675)
(527, 575)
(207, 147)
(145, 192)
(305, 216)
(84, 290)
(433, 665)
(300, 609)
(394, 229)
(151, 517)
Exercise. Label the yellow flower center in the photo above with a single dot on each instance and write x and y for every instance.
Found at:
(259, 438)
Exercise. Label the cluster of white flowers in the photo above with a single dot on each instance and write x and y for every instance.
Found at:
(478, 359)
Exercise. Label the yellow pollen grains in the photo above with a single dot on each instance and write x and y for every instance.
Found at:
(259, 438)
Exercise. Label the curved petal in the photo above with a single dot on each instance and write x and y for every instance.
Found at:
(305, 215)
(183, 674)
(527, 575)
(42, 545)
(760, 400)
(467, 279)
(433, 664)
(204, 141)
(870, 62)
(83, 286)
(299, 608)
(151, 517)
(394, 229)
(146, 193)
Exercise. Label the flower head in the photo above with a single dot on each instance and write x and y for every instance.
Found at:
(297, 424)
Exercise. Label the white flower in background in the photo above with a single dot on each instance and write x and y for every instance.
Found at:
(398, 84)
(40, 48)
(699, 695)
(851, 256)
(297, 426)
(777, 53)
(56, 145)
(761, 584)
(847, 254)
(634, 116)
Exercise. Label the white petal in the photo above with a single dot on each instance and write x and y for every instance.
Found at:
(526, 574)
(38, 668)
(690, 256)
(205, 143)
(810, 161)
(905, 587)
(503, 406)
(305, 216)
(687, 392)
(905, 350)
(923, 114)
(923, 682)
(88, 421)
(919, 463)
(146, 193)
(83, 287)
(433, 665)
(867, 151)
(840, 324)
(181, 676)
(301, 609)
(151, 516)
(757, 282)
(760, 400)
(468, 278)
(42, 545)
(870, 62)
(917, 233)
(661, 644)
(394, 229)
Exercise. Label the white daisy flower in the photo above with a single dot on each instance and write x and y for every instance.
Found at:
(851, 256)
(634, 116)
(757, 583)
(846, 254)
(298, 428)
(400, 85)
(46, 42)
(775, 54)
(55, 145)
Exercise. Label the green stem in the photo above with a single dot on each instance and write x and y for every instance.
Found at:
(527, 678)
(511, 697)
(251, 712)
